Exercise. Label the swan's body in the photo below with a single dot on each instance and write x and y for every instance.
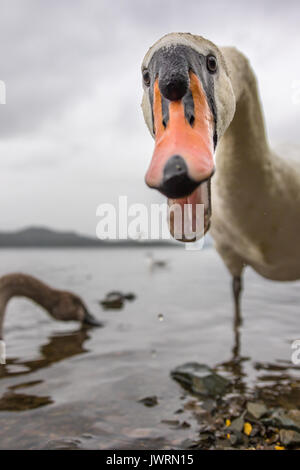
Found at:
(61, 305)
(255, 194)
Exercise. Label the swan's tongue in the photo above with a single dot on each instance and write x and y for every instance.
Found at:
(190, 216)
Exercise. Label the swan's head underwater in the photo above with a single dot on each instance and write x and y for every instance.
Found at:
(70, 307)
(188, 103)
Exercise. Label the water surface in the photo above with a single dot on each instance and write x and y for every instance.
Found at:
(64, 387)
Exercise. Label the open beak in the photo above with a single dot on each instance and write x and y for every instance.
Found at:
(182, 163)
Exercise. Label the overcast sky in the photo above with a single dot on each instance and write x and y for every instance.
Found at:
(72, 133)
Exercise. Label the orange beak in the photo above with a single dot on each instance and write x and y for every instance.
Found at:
(194, 143)
(183, 159)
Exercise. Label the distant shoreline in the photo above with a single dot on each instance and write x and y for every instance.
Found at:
(88, 247)
(41, 237)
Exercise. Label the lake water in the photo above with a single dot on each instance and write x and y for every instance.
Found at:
(64, 387)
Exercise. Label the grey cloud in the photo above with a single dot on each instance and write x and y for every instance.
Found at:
(72, 132)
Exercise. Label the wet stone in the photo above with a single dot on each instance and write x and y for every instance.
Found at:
(294, 415)
(149, 401)
(63, 444)
(237, 424)
(282, 419)
(185, 425)
(200, 379)
(209, 405)
(189, 444)
(115, 300)
(289, 437)
(176, 423)
(236, 438)
(257, 410)
(130, 296)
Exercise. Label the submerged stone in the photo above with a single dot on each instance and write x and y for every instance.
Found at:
(237, 424)
(289, 438)
(282, 419)
(115, 300)
(236, 438)
(257, 410)
(149, 401)
(294, 415)
(200, 379)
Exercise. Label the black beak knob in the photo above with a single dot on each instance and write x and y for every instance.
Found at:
(176, 181)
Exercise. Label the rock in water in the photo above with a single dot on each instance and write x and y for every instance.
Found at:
(149, 401)
(281, 419)
(237, 424)
(115, 300)
(200, 379)
(289, 438)
(294, 415)
(257, 410)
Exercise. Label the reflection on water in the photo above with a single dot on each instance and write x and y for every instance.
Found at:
(59, 347)
(12, 401)
(67, 388)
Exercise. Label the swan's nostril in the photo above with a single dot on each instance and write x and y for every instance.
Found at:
(192, 120)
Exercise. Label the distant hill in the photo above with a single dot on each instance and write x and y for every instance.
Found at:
(39, 237)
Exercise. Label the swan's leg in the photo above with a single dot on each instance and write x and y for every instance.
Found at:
(237, 289)
(235, 265)
(237, 320)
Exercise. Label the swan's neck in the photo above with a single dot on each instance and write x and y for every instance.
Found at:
(242, 160)
(21, 285)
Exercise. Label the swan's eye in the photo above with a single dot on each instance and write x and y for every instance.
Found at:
(146, 77)
(211, 63)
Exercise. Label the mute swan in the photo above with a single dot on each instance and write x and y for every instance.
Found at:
(61, 305)
(201, 105)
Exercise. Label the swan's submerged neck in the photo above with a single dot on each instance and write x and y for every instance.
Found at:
(21, 285)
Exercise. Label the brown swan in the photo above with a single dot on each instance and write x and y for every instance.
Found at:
(61, 305)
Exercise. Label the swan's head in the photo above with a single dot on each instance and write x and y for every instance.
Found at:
(188, 103)
(70, 307)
